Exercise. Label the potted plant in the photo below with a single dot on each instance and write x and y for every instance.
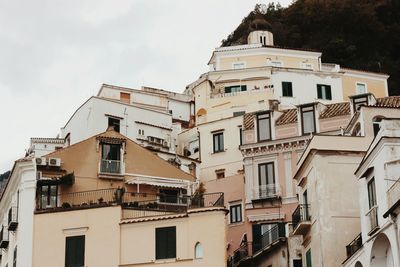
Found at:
(198, 196)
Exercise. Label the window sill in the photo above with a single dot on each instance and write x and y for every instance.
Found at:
(218, 152)
(235, 224)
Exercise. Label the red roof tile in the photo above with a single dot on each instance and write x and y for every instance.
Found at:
(337, 109)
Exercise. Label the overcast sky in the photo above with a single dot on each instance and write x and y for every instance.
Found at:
(56, 54)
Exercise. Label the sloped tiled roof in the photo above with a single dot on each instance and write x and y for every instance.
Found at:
(248, 121)
(337, 109)
(288, 116)
(387, 102)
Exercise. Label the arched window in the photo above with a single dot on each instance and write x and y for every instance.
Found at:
(198, 251)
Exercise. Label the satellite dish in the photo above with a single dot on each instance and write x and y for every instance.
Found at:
(263, 9)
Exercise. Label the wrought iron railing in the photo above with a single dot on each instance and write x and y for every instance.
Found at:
(269, 237)
(266, 191)
(12, 218)
(373, 218)
(110, 166)
(130, 200)
(354, 246)
(240, 254)
(301, 214)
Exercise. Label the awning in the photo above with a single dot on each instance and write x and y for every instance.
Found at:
(159, 182)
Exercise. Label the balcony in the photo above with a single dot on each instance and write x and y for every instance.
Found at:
(110, 166)
(269, 191)
(393, 199)
(373, 220)
(354, 246)
(268, 89)
(13, 219)
(241, 255)
(301, 219)
(269, 239)
(4, 237)
(144, 204)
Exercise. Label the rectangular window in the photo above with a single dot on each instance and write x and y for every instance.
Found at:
(218, 142)
(169, 195)
(241, 140)
(238, 66)
(166, 243)
(263, 127)
(125, 97)
(358, 101)
(113, 122)
(361, 88)
(266, 179)
(235, 213)
(48, 196)
(235, 89)
(371, 193)
(287, 89)
(15, 257)
(308, 258)
(324, 92)
(307, 120)
(111, 158)
(75, 251)
(220, 173)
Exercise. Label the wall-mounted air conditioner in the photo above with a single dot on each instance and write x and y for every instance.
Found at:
(40, 161)
(54, 162)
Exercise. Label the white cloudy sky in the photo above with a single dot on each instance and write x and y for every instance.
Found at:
(55, 54)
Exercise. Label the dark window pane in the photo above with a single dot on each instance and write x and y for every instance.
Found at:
(114, 122)
(111, 151)
(287, 89)
(218, 142)
(264, 127)
(75, 251)
(166, 243)
(324, 91)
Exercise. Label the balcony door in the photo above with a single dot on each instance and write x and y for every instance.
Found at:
(48, 196)
(111, 158)
(266, 180)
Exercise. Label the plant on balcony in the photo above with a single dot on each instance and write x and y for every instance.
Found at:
(66, 205)
(198, 196)
(101, 200)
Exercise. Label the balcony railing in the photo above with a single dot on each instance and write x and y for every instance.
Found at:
(268, 238)
(110, 166)
(4, 237)
(301, 214)
(267, 89)
(373, 219)
(240, 254)
(393, 194)
(266, 191)
(134, 201)
(354, 246)
(12, 219)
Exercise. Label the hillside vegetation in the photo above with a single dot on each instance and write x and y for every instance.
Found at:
(360, 34)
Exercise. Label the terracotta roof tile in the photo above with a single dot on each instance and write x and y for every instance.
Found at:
(337, 109)
(248, 121)
(288, 116)
(387, 102)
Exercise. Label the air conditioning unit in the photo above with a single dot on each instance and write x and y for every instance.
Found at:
(165, 143)
(41, 161)
(54, 162)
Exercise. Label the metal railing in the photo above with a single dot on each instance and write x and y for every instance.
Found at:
(240, 254)
(269, 237)
(393, 194)
(110, 166)
(354, 246)
(268, 89)
(12, 218)
(130, 200)
(373, 218)
(266, 191)
(301, 214)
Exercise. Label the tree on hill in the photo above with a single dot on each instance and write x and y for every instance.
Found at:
(359, 34)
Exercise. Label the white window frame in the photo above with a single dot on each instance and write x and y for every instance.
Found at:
(241, 212)
(365, 86)
(238, 63)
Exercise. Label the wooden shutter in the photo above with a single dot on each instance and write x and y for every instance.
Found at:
(328, 92)
(319, 91)
(166, 243)
(308, 258)
(243, 88)
(75, 251)
(125, 97)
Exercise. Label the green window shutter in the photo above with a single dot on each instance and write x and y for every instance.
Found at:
(287, 89)
(75, 251)
(328, 92)
(290, 90)
(228, 89)
(166, 243)
(319, 91)
(308, 258)
(244, 87)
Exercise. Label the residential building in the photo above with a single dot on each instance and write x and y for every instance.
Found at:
(327, 216)
(122, 205)
(286, 91)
